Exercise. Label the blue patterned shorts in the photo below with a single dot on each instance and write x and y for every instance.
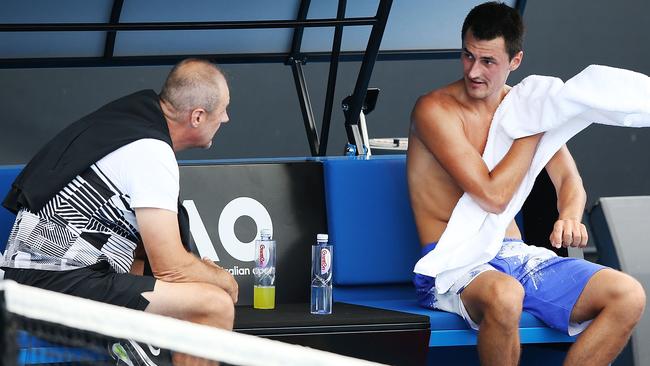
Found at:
(552, 284)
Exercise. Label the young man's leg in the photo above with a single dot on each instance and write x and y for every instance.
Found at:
(616, 302)
(494, 301)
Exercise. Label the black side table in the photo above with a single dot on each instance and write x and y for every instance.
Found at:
(384, 336)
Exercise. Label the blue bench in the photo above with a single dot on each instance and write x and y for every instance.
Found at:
(376, 246)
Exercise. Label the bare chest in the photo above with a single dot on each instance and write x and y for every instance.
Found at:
(476, 130)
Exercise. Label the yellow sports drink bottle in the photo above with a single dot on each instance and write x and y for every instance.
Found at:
(264, 272)
(264, 297)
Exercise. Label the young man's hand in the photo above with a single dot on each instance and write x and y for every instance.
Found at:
(569, 233)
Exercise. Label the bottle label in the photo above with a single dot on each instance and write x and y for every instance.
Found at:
(325, 260)
(263, 255)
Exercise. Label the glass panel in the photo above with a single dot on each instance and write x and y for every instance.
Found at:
(60, 11)
(52, 44)
(222, 41)
(207, 10)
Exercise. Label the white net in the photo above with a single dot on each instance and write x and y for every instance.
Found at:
(43, 327)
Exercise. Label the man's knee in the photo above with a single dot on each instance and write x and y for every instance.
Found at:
(224, 309)
(215, 307)
(629, 297)
(504, 302)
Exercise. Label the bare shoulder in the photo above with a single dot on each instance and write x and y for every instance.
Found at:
(437, 111)
(435, 103)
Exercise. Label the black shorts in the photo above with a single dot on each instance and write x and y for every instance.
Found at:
(97, 282)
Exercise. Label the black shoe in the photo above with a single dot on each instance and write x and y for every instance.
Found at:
(131, 353)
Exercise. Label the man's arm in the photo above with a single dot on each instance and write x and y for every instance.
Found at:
(568, 230)
(169, 261)
(139, 256)
(440, 129)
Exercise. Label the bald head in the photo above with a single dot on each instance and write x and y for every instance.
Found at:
(192, 84)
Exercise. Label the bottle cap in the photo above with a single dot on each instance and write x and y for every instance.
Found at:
(265, 233)
(322, 237)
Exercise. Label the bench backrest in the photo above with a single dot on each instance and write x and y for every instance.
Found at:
(370, 221)
(369, 218)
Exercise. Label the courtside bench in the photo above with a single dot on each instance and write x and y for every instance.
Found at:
(371, 225)
(376, 246)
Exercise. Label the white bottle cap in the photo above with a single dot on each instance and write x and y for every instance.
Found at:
(265, 233)
(322, 237)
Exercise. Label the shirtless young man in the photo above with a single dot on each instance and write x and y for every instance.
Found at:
(449, 131)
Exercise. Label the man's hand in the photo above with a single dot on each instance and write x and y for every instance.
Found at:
(170, 262)
(571, 198)
(569, 232)
(227, 280)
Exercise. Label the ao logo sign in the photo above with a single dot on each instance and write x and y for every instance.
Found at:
(240, 206)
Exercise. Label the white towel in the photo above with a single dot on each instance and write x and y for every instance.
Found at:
(599, 94)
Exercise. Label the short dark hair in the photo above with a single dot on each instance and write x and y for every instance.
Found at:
(492, 20)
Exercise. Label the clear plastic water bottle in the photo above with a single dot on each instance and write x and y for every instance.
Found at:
(264, 272)
(321, 276)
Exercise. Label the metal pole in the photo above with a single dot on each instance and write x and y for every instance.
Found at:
(305, 106)
(360, 89)
(296, 42)
(296, 60)
(331, 82)
(116, 12)
(259, 24)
